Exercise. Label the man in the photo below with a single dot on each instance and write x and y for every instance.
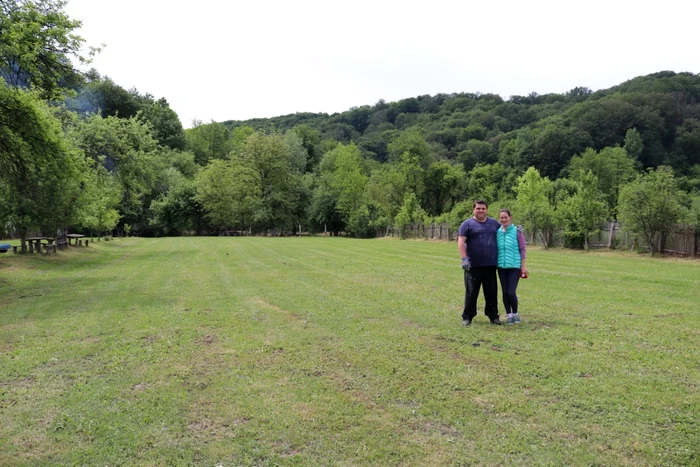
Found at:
(477, 247)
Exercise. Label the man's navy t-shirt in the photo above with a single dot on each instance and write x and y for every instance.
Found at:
(481, 241)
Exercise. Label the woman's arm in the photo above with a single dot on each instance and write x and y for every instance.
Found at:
(523, 255)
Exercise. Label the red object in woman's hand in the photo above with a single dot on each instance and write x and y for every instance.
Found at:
(524, 275)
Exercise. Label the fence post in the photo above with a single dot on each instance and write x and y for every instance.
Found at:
(693, 243)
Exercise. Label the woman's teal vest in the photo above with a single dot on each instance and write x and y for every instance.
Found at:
(508, 249)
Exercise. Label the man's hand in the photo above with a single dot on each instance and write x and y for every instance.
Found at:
(466, 265)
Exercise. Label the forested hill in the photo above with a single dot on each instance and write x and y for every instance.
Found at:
(544, 131)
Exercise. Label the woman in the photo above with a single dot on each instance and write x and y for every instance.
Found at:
(511, 263)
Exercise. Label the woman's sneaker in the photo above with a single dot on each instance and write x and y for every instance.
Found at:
(510, 319)
(516, 318)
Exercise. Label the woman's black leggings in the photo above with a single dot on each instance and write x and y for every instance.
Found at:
(509, 282)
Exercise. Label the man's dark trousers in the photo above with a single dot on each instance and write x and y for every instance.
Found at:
(474, 279)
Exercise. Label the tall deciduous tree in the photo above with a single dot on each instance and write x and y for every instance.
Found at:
(227, 191)
(128, 152)
(444, 183)
(410, 213)
(165, 124)
(582, 214)
(649, 205)
(410, 141)
(208, 141)
(533, 204)
(40, 173)
(37, 40)
(341, 187)
(97, 207)
(277, 170)
(612, 168)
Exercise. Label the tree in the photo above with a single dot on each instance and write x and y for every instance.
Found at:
(649, 205)
(228, 192)
(686, 148)
(487, 182)
(533, 204)
(476, 152)
(341, 187)
(36, 43)
(175, 210)
(208, 141)
(348, 179)
(239, 135)
(98, 206)
(634, 145)
(104, 97)
(554, 147)
(165, 124)
(128, 152)
(310, 139)
(276, 169)
(40, 173)
(444, 183)
(582, 214)
(410, 213)
(409, 141)
(612, 168)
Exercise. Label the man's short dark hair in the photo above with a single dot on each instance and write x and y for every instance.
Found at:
(480, 201)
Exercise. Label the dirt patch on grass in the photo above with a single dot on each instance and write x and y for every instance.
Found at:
(147, 340)
(22, 383)
(90, 340)
(305, 410)
(209, 339)
(442, 428)
(277, 309)
(669, 315)
(140, 387)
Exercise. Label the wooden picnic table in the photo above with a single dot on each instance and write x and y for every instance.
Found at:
(35, 241)
(74, 237)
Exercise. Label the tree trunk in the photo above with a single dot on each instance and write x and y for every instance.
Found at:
(611, 235)
(23, 240)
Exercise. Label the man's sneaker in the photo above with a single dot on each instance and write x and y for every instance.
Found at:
(466, 322)
(516, 318)
(496, 321)
(510, 319)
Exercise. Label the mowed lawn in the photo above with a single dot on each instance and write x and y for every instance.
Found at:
(335, 351)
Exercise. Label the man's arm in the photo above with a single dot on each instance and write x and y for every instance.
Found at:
(462, 245)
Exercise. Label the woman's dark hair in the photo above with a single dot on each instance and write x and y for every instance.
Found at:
(507, 212)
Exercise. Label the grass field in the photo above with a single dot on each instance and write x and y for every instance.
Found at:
(333, 351)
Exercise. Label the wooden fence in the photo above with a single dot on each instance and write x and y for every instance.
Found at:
(430, 231)
(683, 240)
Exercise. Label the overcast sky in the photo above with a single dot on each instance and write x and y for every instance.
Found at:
(235, 60)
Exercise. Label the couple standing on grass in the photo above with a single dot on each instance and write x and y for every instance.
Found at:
(486, 247)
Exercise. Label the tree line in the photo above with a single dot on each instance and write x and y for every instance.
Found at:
(77, 150)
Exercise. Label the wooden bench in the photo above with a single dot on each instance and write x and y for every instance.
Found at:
(49, 247)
